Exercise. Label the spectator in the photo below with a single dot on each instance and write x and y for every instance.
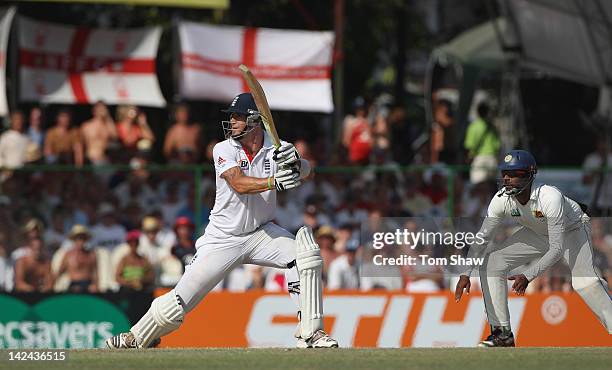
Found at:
(97, 133)
(107, 233)
(63, 144)
(172, 203)
(132, 127)
(344, 270)
(303, 149)
(326, 238)
(56, 234)
(594, 173)
(287, 212)
(483, 144)
(36, 132)
(80, 262)
(357, 137)
(33, 228)
(151, 243)
(183, 141)
(184, 248)
(33, 270)
(313, 218)
(189, 210)
(14, 143)
(5, 264)
(165, 235)
(381, 140)
(402, 135)
(423, 278)
(602, 247)
(414, 201)
(435, 186)
(134, 272)
(351, 214)
(443, 148)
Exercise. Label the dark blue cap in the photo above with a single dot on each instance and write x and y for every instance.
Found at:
(518, 160)
(242, 104)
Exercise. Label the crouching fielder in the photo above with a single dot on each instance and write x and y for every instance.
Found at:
(553, 227)
(249, 172)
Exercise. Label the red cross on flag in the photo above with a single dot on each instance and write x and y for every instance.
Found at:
(62, 64)
(6, 17)
(293, 67)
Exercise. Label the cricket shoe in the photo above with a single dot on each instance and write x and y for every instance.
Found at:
(122, 341)
(127, 341)
(496, 339)
(319, 339)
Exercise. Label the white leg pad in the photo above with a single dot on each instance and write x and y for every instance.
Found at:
(596, 296)
(310, 265)
(165, 315)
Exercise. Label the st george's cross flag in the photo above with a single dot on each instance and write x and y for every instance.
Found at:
(293, 66)
(6, 18)
(64, 64)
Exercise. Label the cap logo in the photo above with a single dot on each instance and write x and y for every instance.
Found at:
(234, 102)
(508, 158)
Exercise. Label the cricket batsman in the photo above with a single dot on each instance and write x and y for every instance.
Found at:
(249, 173)
(553, 226)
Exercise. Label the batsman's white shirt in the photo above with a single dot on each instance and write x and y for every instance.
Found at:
(548, 213)
(239, 214)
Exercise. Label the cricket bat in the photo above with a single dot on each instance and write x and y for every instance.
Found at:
(262, 103)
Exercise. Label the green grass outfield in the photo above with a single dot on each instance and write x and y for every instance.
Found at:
(353, 359)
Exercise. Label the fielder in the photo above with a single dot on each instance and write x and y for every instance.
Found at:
(553, 226)
(249, 172)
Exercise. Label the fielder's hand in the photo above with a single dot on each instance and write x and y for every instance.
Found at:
(287, 178)
(463, 283)
(286, 155)
(520, 283)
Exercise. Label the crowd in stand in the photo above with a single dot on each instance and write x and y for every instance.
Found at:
(129, 230)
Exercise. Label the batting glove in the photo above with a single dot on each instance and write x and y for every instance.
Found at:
(286, 155)
(287, 178)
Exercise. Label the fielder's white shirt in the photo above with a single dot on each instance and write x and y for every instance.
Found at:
(548, 212)
(238, 214)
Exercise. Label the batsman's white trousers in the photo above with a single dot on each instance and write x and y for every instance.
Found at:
(525, 246)
(218, 253)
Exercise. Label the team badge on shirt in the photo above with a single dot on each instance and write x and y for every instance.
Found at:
(515, 213)
(267, 165)
(244, 164)
(538, 214)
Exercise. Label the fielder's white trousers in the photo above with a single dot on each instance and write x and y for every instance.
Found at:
(218, 253)
(525, 246)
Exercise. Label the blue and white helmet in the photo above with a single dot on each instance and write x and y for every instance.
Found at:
(242, 104)
(518, 160)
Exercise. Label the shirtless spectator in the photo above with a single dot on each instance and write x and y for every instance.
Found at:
(33, 270)
(80, 263)
(14, 143)
(132, 127)
(97, 134)
(182, 144)
(63, 144)
(134, 272)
